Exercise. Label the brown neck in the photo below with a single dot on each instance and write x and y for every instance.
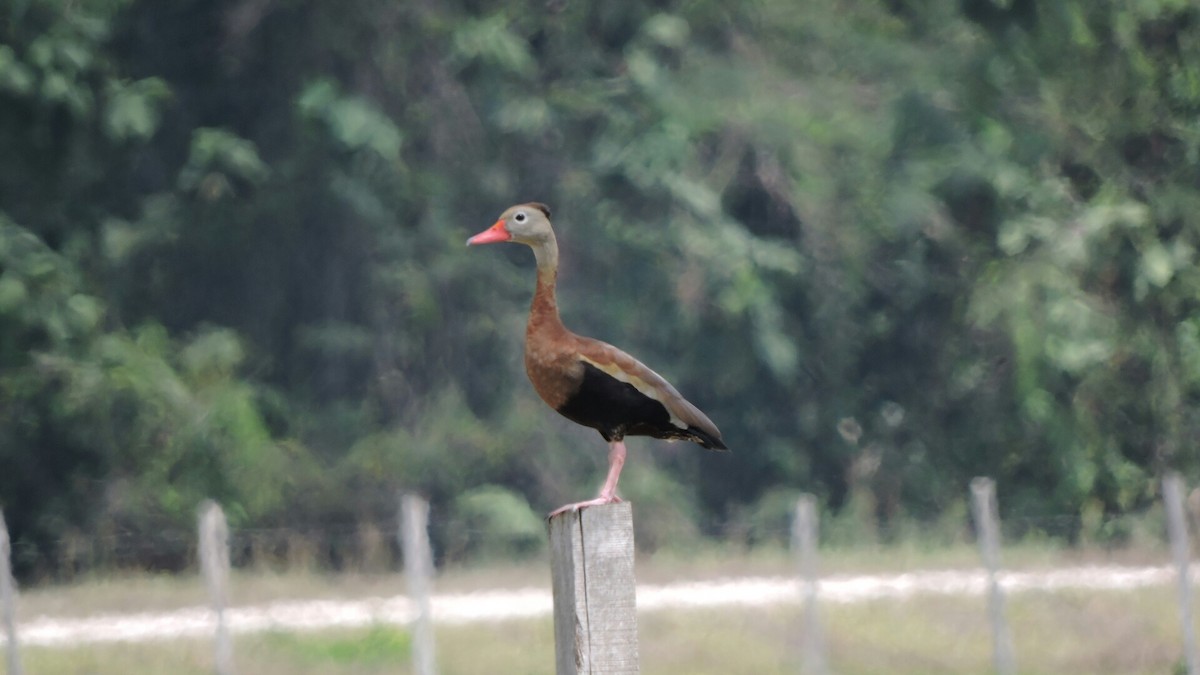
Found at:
(543, 313)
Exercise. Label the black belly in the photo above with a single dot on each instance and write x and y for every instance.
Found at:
(617, 409)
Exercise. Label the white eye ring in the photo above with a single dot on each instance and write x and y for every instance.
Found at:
(520, 217)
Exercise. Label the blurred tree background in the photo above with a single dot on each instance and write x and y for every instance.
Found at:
(887, 245)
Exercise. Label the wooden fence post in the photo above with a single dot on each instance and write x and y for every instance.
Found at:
(595, 604)
(804, 545)
(418, 571)
(1177, 531)
(214, 563)
(983, 493)
(8, 598)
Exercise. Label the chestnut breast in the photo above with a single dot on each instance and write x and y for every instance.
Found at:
(555, 372)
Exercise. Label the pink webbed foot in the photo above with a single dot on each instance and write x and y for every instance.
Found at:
(598, 501)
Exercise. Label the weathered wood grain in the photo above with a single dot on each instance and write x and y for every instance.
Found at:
(595, 605)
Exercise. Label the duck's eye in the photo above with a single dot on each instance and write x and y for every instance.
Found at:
(520, 217)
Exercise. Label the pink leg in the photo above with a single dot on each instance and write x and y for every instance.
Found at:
(608, 493)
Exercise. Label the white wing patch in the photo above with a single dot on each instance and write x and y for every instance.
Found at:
(645, 388)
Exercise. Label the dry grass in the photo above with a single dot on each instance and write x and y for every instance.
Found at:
(134, 593)
(1059, 632)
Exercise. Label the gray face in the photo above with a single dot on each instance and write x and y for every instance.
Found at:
(527, 224)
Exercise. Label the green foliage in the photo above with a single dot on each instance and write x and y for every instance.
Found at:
(125, 426)
(231, 260)
(494, 522)
(134, 109)
(490, 41)
(215, 156)
(353, 121)
(769, 520)
(667, 516)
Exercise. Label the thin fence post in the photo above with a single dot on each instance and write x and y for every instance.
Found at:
(804, 543)
(1180, 549)
(983, 493)
(214, 563)
(595, 603)
(8, 598)
(418, 570)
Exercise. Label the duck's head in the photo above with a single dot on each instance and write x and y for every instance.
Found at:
(527, 224)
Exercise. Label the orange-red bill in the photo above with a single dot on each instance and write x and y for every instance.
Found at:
(491, 235)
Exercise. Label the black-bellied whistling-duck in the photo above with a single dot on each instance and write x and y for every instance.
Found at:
(587, 381)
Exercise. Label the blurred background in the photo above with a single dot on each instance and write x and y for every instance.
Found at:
(886, 245)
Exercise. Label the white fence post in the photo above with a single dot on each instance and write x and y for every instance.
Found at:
(595, 599)
(8, 598)
(983, 493)
(418, 572)
(214, 563)
(805, 527)
(1181, 550)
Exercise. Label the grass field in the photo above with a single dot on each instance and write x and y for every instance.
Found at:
(1054, 632)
